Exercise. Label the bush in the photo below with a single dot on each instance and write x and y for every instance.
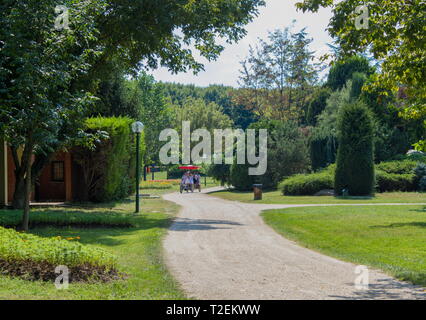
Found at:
(355, 156)
(13, 218)
(420, 170)
(397, 167)
(239, 177)
(108, 170)
(422, 184)
(307, 184)
(317, 105)
(387, 182)
(35, 258)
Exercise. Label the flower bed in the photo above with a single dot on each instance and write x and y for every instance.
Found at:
(35, 258)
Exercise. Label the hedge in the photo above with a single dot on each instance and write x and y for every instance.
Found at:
(397, 167)
(307, 184)
(108, 170)
(13, 218)
(386, 182)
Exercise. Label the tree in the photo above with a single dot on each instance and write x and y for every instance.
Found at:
(317, 105)
(37, 68)
(202, 115)
(277, 76)
(343, 70)
(395, 37)
(47, 76)
(355, 156)
(287, 155)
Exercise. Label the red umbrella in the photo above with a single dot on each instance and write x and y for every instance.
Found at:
(189, 168)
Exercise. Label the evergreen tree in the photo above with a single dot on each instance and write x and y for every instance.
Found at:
(355, 156)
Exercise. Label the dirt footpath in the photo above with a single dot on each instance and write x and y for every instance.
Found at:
(220, 249)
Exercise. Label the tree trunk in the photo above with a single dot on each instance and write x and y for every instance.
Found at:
(26, 215)
(37, 167)
(18, 201)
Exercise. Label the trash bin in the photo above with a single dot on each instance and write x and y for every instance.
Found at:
(257, 189)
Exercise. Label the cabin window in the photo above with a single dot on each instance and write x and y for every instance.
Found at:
(58, 171)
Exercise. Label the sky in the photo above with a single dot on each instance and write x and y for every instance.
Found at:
(276, 14)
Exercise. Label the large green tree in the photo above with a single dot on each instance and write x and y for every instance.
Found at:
(278, 75)
(37, 68)
(395, 37)
(46, 76)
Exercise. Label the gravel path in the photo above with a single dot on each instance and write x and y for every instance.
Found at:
(220, 249)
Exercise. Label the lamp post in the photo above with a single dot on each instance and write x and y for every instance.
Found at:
(137, 128)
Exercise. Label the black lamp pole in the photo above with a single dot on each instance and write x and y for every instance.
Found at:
(138, 175)
(137, 128)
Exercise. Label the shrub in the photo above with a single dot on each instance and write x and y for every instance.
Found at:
(420, 170)
(422, 184)
(355, 163)
(239, 177)
(397, 167)
(13, 218)
(307, 184)
(108, 171)
(317, 105)
(35, 258)
(395, 182)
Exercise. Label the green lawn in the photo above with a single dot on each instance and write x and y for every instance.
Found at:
(275, 197)
(391, 238)
(139, 252)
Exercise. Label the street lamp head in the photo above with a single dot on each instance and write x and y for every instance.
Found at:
(137, 127)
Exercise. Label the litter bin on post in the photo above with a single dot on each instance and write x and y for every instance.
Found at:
(257, 189)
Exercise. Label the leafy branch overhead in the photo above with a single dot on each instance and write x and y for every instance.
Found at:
(395, 37)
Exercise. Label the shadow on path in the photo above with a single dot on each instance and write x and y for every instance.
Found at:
(185, 224)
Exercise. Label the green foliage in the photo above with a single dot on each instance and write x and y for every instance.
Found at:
(204, 115)
(343, 70)
(397, 166)
(220, 172)
(287, 155)
(387, 182)
(109, 169)
(18, 248)
(420, 170)
(355, 156)
(322, 148)
(307, 184)
(395, 36)
(317, 105)
(358, 81)
(221, 95)
(278, 76)
(11, 218)
(239, 177)
(422, 184)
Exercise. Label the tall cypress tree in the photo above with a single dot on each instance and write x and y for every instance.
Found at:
(355, 156)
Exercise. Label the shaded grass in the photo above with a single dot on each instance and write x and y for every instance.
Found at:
(138, 251)
(391, 238)
(276, 197)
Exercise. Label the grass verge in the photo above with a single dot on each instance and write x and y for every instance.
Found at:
(390, 238)
(138, 250)
(276, 197)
